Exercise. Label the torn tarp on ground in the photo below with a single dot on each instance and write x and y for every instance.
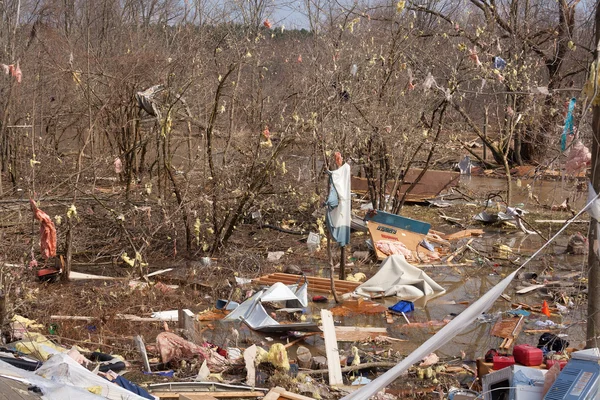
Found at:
(62, 369)
(339, 206)
(253, 314)
(396, 277)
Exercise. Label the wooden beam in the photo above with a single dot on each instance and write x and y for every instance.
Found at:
(331, 349)
(218, 395)
(196, 397)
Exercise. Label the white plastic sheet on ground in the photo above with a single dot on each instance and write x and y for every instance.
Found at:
(62, 369)
(446, 334)
(61, 378)
(397, 277)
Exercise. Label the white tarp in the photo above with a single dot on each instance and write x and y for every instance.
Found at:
(453, 328)
(65, 379)
(62, 369)
(397, 277)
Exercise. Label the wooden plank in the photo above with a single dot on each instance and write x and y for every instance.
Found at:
(312, 288)
(274, 393)
(331, 349)
(196, 397)
(294, 396)
(319, 285)
(15, 390)
(76, 276)
(313, 279)
(529, 289)
(464, 234)
(218, 395)
(389, 318)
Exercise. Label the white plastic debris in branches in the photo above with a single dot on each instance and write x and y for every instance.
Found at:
(428, 82)
(353, 70)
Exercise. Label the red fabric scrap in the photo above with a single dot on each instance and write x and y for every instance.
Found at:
(47, 231)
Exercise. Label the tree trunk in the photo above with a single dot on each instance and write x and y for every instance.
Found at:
(593, 311)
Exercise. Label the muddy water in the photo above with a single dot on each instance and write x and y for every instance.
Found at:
(464, 285)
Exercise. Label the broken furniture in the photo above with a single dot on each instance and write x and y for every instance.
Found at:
(507, 329)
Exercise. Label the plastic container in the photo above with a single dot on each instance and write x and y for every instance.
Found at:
(528, 355)
(550, 363)
(503, 362)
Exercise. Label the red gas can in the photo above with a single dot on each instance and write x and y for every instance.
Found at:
(528, 355)
(503, 362)
(550, 363)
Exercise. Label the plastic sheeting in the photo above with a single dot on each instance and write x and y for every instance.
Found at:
(397, 277)
(62, 378)
(278, 292)
(454, 327)
(339, 207)
(256, 317)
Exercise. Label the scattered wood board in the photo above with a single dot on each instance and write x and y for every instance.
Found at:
(464, 234)
(219, 395)
(196, 397)
(331, 349)
(280, 393)
(358, 334)
(529, 289)
(389, 318)
(315, 284)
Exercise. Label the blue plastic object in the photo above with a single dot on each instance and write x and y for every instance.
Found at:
(403, 306)
(397, 221)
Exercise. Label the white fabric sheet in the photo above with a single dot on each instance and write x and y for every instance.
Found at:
(396, 277)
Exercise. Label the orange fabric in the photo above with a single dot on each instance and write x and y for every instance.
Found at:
(47, 231)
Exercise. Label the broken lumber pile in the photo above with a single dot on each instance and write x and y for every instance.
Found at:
(319, 285)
